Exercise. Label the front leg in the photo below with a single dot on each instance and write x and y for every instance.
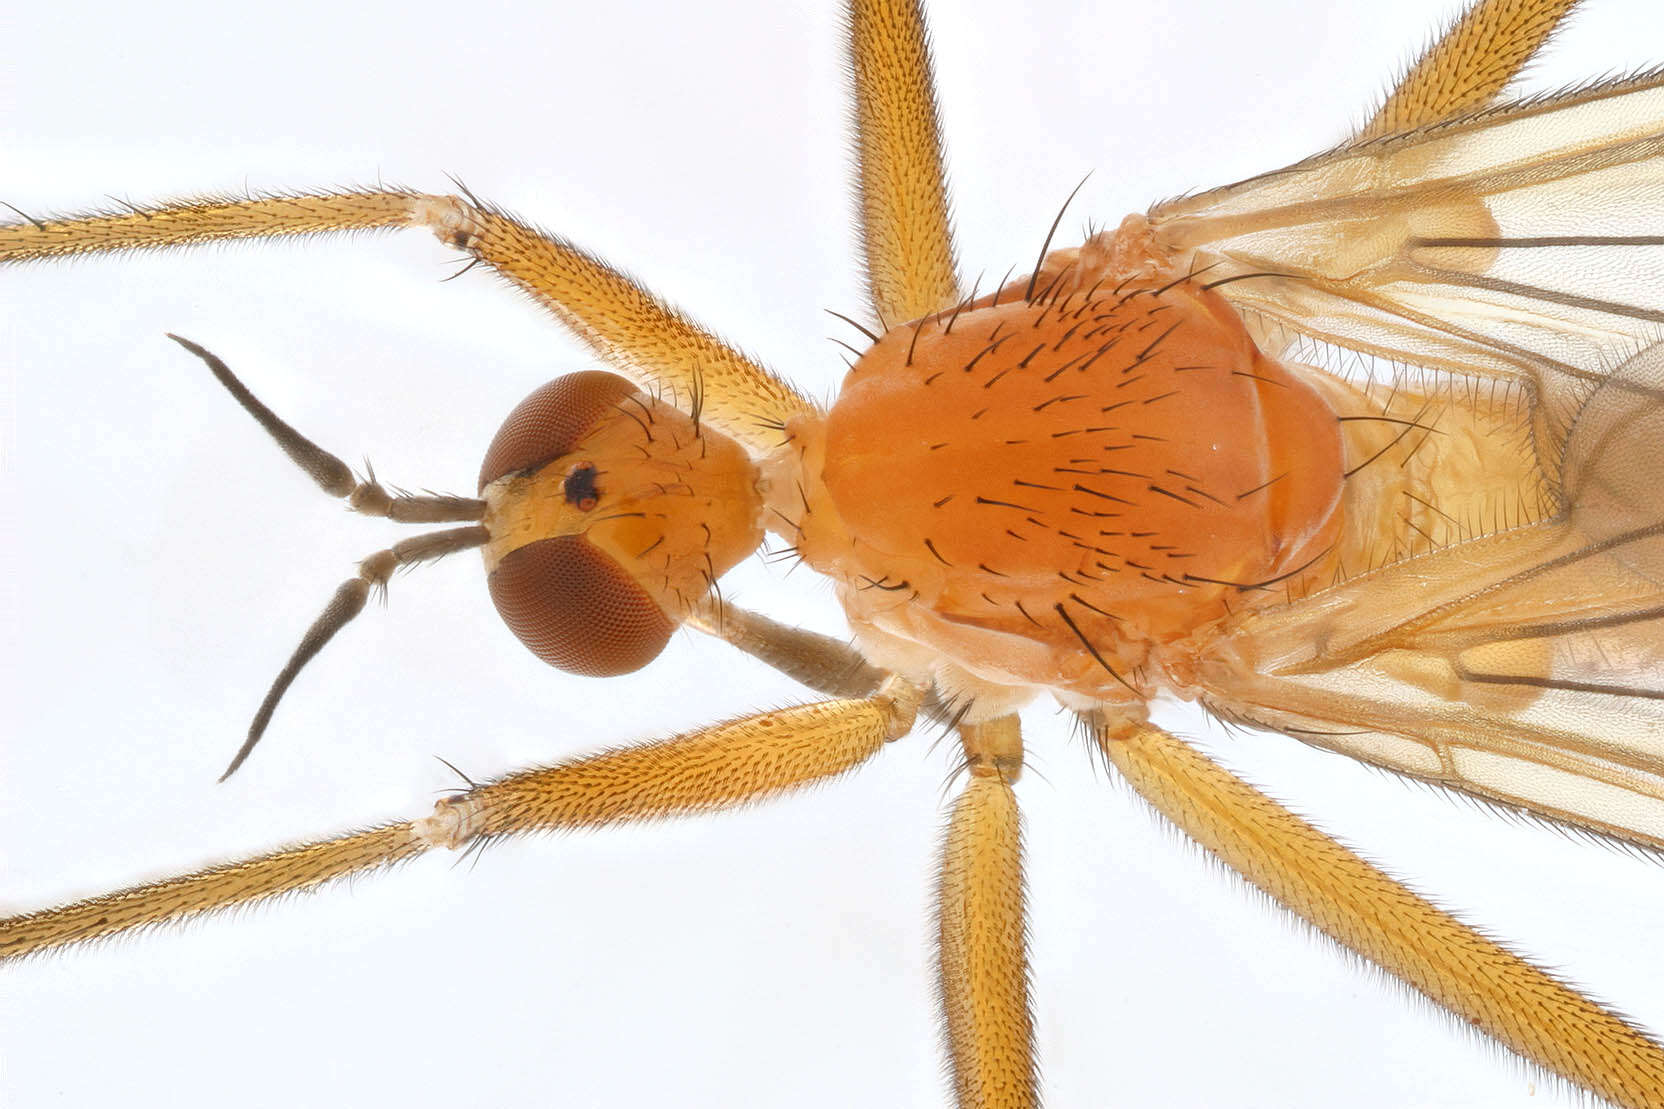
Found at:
(636, 332)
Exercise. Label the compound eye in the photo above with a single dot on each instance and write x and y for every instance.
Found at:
(571, 603)
(551, 422)
(577, 609)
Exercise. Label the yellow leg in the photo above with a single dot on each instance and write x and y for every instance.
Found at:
(1471, 63)
(1358, 906)
(636, 332)
(718, 767)
(983, 929)
(904, 192)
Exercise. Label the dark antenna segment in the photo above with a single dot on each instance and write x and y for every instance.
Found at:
(368, 497)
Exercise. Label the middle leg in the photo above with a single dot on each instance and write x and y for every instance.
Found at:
(717, 767)
(984, 928)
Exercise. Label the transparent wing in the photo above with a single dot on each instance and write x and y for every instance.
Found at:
(1526, 666)
(1521, 241)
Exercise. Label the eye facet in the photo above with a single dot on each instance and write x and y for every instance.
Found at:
(552, 421)
(577, 609)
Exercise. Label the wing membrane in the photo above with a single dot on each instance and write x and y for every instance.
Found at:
(1524, 242)
(1526, 667)
(1521, 241)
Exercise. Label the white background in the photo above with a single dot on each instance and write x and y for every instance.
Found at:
(162, 559)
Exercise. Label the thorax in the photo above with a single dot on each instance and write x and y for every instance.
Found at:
(1052, 486)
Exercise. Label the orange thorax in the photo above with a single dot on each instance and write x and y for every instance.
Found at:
(1096, 471)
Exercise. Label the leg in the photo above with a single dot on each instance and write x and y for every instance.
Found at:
(824, 664)
(904, 193)
(1470, 65)
(984, 958)
(718, 767)
(637, 333)
(1356, 905)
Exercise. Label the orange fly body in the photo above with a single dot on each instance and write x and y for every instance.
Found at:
(163, 563)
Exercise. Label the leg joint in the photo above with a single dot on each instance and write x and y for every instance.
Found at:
(900, 700)
(994, 748)
(452, 220)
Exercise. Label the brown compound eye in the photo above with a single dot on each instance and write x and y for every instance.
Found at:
(578, 609)
(569, 602)
(551, 422)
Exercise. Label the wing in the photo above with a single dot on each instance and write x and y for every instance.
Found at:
(1526, 666)
(1523, 241)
